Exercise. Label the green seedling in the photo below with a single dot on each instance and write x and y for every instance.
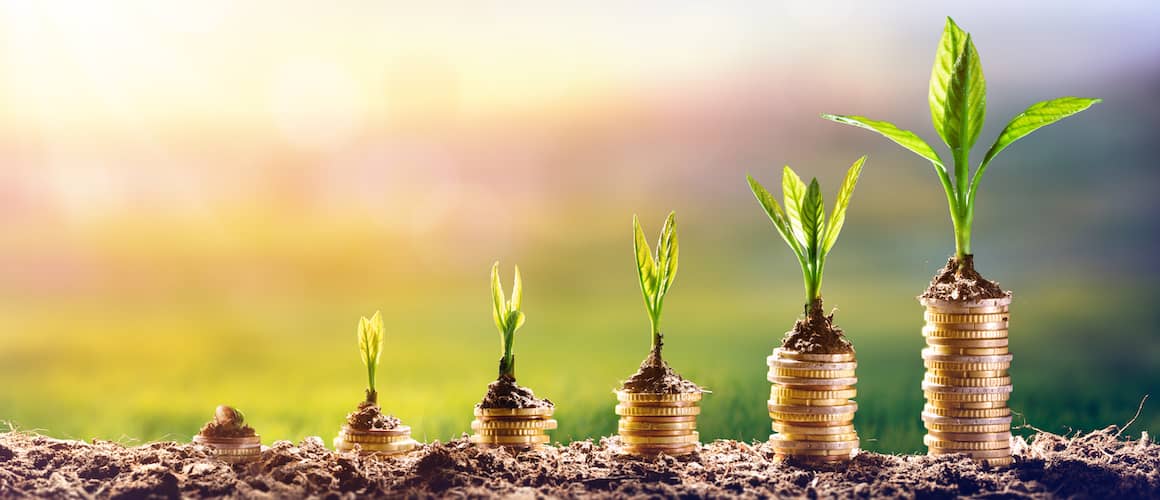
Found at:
(656, 272)
(508, 318)
(958, 101)
(802, 224)
(370, 346)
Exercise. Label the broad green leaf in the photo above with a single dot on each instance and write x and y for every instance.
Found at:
(370, 338)
(517, 292)
(667, 253)
(966, 102)
(813, 219)
(499, 305)
(645, 267)
(838, 217)
(904, 138)
(942, 74)
(773, 210)
(793, 195)
(1039, 115)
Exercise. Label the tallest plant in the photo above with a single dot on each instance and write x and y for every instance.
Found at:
(958, 103)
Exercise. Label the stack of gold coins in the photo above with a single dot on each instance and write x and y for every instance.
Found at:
(809, 402)
(966, 384)
(653, 423)
(233, 450)
(522, 428)
(380, 442)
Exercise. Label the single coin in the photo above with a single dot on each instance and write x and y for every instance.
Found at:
(810, 383)
(964, 367)
(967, 373)
(968, 381)
(967, 413)
(662, 433)
(962, 391)
(929, 355)
(849, 436)
(974, 429)
(944, 420)
(968, 405)
(651, 397)
(780, 442)
(541, 411)
(792, 393)
(812, 430)
(950, 334)
(794, 364)
(365, 440)
(656, 426)
(981, 306)
(402, 430)
(657, 411)
(661, 419)
(967, 343)
(1004, 436)
(934, 442)
(803, 417)
(798, 452)
(778, 371)
(850, 407)
(976, 327)
(509, 440)
(938, 317)
(670, 404)
(654, 449)
(809, 402)
(968, 351)
(650, 440)
(974, 454)
(823, 358)
(536, 423)
(509, 432)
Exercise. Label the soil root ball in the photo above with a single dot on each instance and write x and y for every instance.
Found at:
(1093, 465)
(961, 282)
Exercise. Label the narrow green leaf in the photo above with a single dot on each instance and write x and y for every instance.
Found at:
(517, 292)
(499, 305)
(776, 215)
(515, 319)
(966, 102)
(813, 219)
(645, 267)
(667, 253)
(793, 195)
(838, 217)
(1040, 114)
(904, 138)
(950, 47)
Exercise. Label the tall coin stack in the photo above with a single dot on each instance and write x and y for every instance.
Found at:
(966, 384)
(654, 423)
(380, 442)
(809, 402)
(521, 428)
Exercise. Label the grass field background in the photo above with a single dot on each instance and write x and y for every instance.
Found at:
(198, 202)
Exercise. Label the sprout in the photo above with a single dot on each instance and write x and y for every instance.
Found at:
(508, 318)
(803, 222)
(656, 271)
(370, 345)
(958, 101)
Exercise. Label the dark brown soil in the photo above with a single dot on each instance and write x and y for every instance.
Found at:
(227, 422)
(655, 376)
(964, 285)
(506, 393)
(816, 334)
(1095, 465)
(369, 416)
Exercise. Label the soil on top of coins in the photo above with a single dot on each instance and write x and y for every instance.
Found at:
(816, 334)
(506, 393)
(1095, 465)
(657, 377)
(962, 285)
(369, 416)
(226, 430)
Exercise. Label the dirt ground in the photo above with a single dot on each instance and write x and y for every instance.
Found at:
(1094, 465)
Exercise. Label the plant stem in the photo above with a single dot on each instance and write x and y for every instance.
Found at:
(963, 210)
(507, 364)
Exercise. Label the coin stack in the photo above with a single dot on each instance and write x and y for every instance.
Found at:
(233, 450)
(653, 423)
(379, 442)
(966, 384)
(522, 428)
(813, 416)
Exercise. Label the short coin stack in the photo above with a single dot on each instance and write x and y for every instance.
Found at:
(522, 428)
(233, 450)
(813, 416)
(966, 384)
(653, 423)
(381, 442)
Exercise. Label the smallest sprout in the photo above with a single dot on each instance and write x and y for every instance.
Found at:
(370, 345)
(228, 416)
(508, 318)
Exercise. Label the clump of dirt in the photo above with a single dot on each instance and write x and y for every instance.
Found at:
(227, 422)
(961, 282)
(369, 416)
(816, 334)
(1095, 465)
(506, 393)
(657, 377)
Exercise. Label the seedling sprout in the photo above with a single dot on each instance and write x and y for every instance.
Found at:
(370, 345)
(656, 272)
(508, 318)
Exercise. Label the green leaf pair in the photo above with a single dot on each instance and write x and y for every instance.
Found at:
(958, 103)
(507, 315)
(370, 345)
(802, 224)
(656, 271)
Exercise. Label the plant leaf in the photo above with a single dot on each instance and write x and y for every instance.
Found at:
(645, 267)
(838, 217)
(370, 339)
(515, 319)
(1040, 114)
(813, 219)
(966, 103)
(775, 213)
(942, 81)
(793, 194)
(517, 292)
(499, 305)
(667, 253)
(904, 138)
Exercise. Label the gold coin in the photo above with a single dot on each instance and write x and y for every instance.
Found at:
(1004, 436)
(929, 355)
(812, 383)
(509, 432)
(542, 411)
(789, 372)
(973, 374)
(510, 440)
(811, 430)
(955, 366)
(992, 326)
(822, 358)
(968, 398)
(849, 436)
(927, 386)
(780, 441)
(967, 413)
(968, 405)
(656, 426)
(796, 452)
(974, 454)
(803, 417)
(809, 402)
(963, 335)
(953, 428)
(402, 430)
(933, 442)
(366, 440)
(967, 343)
(967, 351)
(398, 447)
(654, 449)
(514, 424)
(998, 461)
(651, 440)
(849, 408)
(938, 317)
(968, 382)
(945, 420)
(650, 397)
(653, 411)
(670, 404)
(793, 364)
(980, 306)
(791, 393)
(237, 452)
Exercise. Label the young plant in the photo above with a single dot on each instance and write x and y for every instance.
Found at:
(370, 346)
(958, 101)
(656, 272)
(508, 318)
(802, 224)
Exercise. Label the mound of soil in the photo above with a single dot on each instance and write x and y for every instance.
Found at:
(655, 376)
(816, 334)
(506, 393)
(227, 423)
(369, 416)
(1095, 465)
(964, 285)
